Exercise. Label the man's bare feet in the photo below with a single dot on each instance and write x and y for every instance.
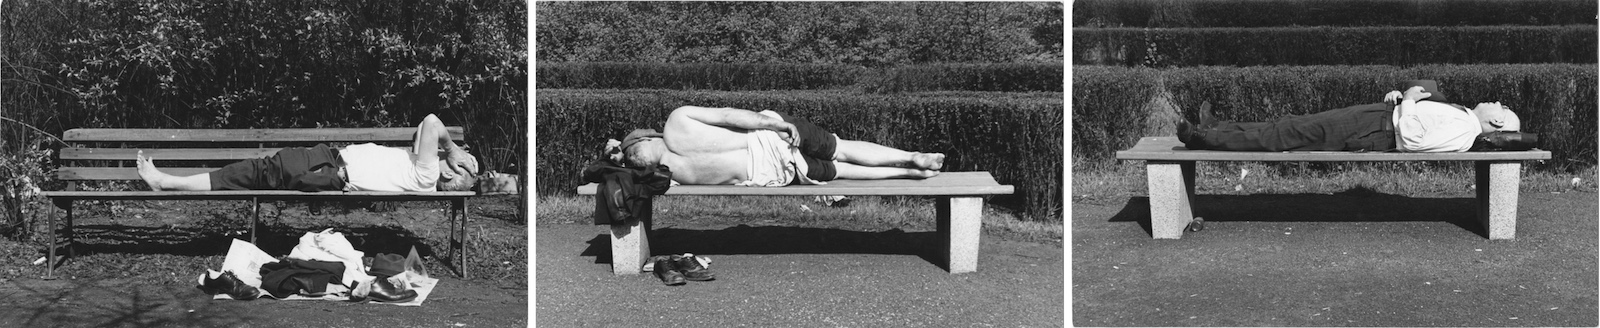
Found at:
(148, 172)
(928, 161)
(924, 174)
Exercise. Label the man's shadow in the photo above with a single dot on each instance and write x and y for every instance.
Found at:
(1358, 204)
(745, 240)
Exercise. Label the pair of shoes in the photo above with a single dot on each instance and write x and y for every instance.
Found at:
(694, 269)
(1191, 136)
(227, 283)
(666, 268)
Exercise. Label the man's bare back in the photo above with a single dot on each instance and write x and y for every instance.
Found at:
(704, 145)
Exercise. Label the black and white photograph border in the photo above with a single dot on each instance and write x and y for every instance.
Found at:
(1333, 163)
(980, 244)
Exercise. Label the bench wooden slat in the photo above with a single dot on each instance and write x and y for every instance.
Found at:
(1170, 149)
(948, 183)
(121, 173)
(250, 135)
(265, 194)
(166, 154)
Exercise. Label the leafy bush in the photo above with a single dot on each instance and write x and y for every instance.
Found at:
(1555, 100)
(856, 33)
(1401, 46)
(1013, 77)
(1014, 136)
(261, 64)
(23, 174)
(1251, 13)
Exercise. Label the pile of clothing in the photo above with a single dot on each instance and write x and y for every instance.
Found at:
(323, 266)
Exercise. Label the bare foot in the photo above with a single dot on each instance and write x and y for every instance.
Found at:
(924, 174)
(928, 161)
(148, 172)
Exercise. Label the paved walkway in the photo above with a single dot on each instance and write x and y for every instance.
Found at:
(797, 277)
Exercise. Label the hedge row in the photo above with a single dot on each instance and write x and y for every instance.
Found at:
(1113, 106)
(1255, 13)
(1014, 77)
(1015, 136)
(1335, 45)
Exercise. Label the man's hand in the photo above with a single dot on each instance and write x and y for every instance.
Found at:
(793, 134)
(1393, 98)
(460, 161)
(1417, 93)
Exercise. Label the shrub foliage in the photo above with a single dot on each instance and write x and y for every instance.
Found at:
(1015, 136)
(1011, 77)
(1109, 103)
(859, 33)
(1253, 13)
(1401, 46)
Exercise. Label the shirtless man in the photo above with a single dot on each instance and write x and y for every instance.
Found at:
(716, 146)
(362, 167)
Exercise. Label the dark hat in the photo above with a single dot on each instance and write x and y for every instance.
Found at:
(638, 135)
(1430, 86)
(385, 265)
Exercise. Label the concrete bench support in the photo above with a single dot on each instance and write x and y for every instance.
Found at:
(959, 213)
(1170, 170)
(1171, 197)
(1497, 183)
(960, 224)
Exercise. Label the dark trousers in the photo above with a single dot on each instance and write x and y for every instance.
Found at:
(1362, 127)
(294, 168)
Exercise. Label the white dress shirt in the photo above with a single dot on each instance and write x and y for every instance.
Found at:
(1429, 126)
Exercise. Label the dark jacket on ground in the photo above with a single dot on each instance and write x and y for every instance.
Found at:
(623, 192)
(289, 276)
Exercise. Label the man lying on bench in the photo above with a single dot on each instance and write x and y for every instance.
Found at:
(1419, 119)
(362, 167)
(720, 146)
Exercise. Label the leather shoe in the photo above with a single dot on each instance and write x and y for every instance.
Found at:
(666, 268)
(693, 270)
(227, 283)
(382, 290)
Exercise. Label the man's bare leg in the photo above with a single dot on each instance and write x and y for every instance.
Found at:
(857, 172)
(159, 181)
(872, 154)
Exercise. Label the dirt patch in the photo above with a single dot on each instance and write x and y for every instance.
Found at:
(136, 265)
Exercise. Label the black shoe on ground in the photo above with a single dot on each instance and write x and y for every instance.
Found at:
(693, 270)
(227, 283)
(385, 291)
(666, 268)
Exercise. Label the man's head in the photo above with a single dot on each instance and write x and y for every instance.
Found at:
(643, 148)
(1430, 86)
(451, 179)
(1495, 117)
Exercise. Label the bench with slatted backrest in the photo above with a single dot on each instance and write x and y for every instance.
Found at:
(108, 155)
(959, 212)
(1169, 171)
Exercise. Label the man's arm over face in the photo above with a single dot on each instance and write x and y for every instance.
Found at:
(735, 118)
(433, 137)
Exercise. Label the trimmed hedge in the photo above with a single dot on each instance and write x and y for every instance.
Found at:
(1557, 101)
(1013, 77)
(1402, 46)
(1015, 136)
(1255, 13)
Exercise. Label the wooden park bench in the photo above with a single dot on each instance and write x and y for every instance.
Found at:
(1169, 170)
(108, 155)
(959, 211)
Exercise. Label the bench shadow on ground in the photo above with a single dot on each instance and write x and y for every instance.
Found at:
(749, 240)
(200, 241)
(1358, 204)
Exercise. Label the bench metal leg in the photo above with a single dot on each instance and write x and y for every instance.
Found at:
(1171, 197)
(459, 235)
(960, 225)
(52, 261)
(255, 217)
(630, 243)
(1497, 183)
